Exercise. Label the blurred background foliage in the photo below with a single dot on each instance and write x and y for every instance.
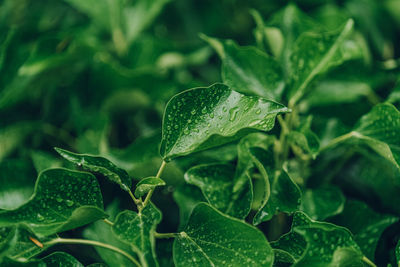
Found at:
(93, 76)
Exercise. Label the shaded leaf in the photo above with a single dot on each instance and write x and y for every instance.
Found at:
(216, 181)
(249, 70)
(398, 252)
(13, 135)
(187, 197)
(366, 225)
(147, 184)
(322, 202)
(62, 200)
(99, 165)
(202, 118)
(281, 193)
(55, 259)
(213, 239)
(137, 230)
(305, 139)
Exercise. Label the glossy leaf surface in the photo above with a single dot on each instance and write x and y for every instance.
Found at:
(202, 118)
(99, 165)
(62, 200)
(137, 230)
(213, 239)
(216, 181)
(146, 184)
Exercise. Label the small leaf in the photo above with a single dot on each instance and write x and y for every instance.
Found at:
(322, 202)
(147, 184)
(380, 130)
(99, 165)
(62, 200)
(314, 54)
(281, 193)
(366, 225)
(213, 239)
(217, 184)
(249, 70)
(137, 230)
(202, 118)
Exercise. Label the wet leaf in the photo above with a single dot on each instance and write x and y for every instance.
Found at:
(249, 70)
(54, 259)
(137, 230)
(366, 225)
(213, 239)
(281, 193)
(99, 165)
(216, 182)
(147, 184)
(202, 118)
(187, 197)
(322, 202)
(62, 200)
(305, 139)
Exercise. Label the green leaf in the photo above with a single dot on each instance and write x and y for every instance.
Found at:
(398, 252)
(380, 130)
(137, 230)
(147, 184)
(99, 165)
(99, 231)
(366, 225)
(305, 139)
(322, 202)
(13, 135)
(214, 239)
(313, 243)
(202, 118)
(281, 193)
(187, 197)
(249, 70)
(62, 200)
(216, 183)
(55, 259)
(313, 54)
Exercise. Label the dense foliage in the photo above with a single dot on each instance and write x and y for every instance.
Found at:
(285, 152)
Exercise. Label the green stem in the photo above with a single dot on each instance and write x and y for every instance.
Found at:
(338, 140)
(93, 243)
(135, 200)
(150, 193)
(165, 235)
(368, 261)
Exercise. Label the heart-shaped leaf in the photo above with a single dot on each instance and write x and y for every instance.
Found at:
(248, 69)
(147, 184)
(322, 202)
(62, 200)
(281, 193)
(99, 165)
(368, 230)
(202, 118)
(137, 230)
(313, 54)
(217, 183)
(214, 239)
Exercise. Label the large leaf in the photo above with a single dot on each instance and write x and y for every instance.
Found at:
(202, 118)
(366, 225)
(281, 193)
(313, 54)
(249, 70)
(54, 259)
(217, 184)
(62, 200)
(322, 202)
(137, 230)
(313, 243)
(99, 165)
(213, 239)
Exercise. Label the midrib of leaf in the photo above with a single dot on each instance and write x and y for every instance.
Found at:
(186, 236)
(331, 52)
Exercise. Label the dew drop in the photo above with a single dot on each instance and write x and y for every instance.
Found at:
(233, 113)
(186, 131)
(258, 111)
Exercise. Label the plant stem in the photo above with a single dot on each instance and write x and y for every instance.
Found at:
(135, 200)
(148, 197)
(108, 222)
(338, 140)
(368, 261)
(93, 243)
(165, 235)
